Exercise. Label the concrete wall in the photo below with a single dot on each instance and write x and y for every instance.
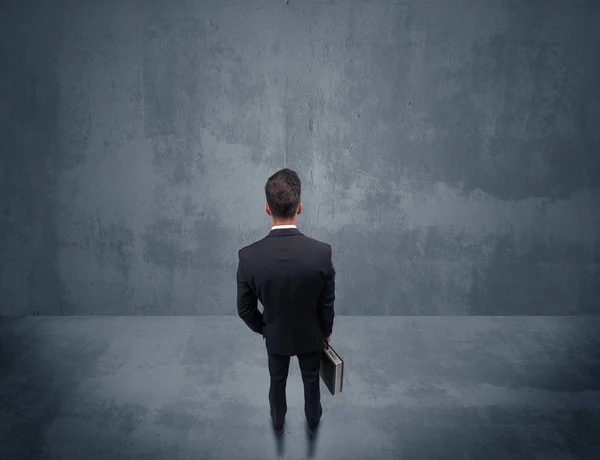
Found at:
(450, 152)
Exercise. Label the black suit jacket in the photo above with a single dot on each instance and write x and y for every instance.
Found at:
(293, 277)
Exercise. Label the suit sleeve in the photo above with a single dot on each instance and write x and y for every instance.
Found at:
(327, 298)
(247, 302)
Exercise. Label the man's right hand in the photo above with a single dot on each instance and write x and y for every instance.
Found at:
(328, 339)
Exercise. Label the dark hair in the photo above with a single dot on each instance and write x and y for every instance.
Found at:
(283, 193)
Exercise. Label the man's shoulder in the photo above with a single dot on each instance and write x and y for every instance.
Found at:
(252, 247)
(247, 249)
(317, 243)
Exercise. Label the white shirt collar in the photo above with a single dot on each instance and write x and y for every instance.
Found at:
(276, 227)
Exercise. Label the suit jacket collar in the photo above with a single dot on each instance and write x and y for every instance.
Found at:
(284, 232)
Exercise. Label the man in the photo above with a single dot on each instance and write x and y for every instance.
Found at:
(293, 277)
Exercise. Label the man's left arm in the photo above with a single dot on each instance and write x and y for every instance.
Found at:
(247, 302)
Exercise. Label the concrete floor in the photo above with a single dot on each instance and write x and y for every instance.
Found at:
(196, 388)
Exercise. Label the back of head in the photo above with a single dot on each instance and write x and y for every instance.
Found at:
(283, 193)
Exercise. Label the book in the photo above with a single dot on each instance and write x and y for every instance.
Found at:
(332, 369)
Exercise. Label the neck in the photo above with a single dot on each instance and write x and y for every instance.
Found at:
(283, 222)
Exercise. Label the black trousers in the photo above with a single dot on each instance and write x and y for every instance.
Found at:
(309, 367)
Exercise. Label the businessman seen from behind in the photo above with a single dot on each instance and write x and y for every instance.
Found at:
(293, 277)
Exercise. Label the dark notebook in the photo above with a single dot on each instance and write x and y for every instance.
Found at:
(332, 369)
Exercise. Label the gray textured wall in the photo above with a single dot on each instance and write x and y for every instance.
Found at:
(449, 150)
